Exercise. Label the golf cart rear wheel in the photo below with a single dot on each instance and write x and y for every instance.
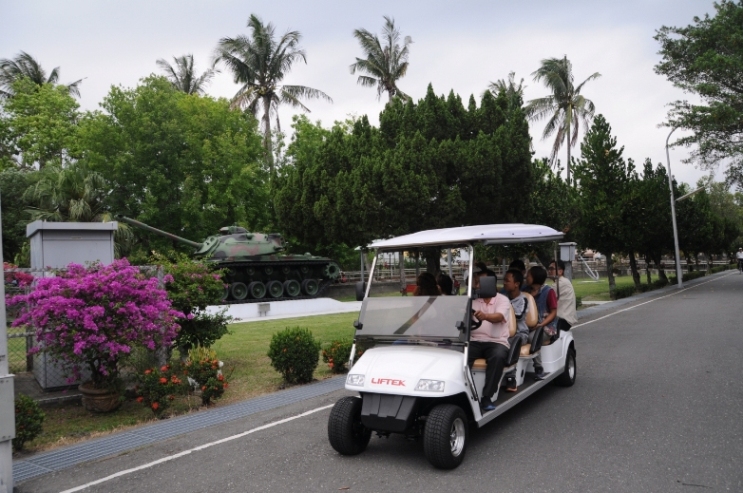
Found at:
(445, 436)
(567, 379)
(346, 433)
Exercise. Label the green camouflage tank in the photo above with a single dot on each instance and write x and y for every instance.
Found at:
(257, 270)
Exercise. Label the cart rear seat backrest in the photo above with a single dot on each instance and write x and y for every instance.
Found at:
(532, 317)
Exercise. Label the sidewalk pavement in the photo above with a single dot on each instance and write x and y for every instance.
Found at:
(64, 457)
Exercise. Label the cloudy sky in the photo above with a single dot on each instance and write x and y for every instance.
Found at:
(460, 45)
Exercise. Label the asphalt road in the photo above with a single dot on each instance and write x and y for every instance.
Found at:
(657, 407)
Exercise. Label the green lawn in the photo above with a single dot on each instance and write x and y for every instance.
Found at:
(589, 290)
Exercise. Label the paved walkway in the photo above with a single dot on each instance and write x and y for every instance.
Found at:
(65, 457)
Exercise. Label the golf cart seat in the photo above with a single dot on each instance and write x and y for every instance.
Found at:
(532, 315)
(530, 350)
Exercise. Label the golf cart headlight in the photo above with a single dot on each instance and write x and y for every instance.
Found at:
(355, 380)
(430, 386)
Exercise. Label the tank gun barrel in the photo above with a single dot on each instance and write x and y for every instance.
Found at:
(160, 232)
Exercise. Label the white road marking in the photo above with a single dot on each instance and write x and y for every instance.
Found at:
(646, 302)
(195, 449)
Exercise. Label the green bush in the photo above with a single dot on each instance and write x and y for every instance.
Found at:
(688, 276)
(623, 292)
(337, 354)
(294, 353)
(193, 287)
(720, 268)
(29, 419)
(156, 388)
(578, 301)
(659, 283)
(206, 372)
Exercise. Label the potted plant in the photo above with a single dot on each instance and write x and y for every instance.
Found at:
(90, 317)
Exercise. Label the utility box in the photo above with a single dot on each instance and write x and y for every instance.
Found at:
(567, 251)
(56, 245)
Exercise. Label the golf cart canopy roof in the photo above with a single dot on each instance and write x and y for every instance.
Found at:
(489, 234)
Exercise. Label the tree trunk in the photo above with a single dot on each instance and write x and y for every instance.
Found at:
(433, 260)
(267, 144)
(635, 272)
(610, 274)
(647, 268)
(567, 166)
(689, 266)
(661, 268)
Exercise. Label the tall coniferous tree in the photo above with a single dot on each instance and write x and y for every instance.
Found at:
(603, 177)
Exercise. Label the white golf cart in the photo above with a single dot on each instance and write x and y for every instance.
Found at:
(413, 377)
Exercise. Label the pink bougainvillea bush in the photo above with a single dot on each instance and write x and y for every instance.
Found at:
(89, 317)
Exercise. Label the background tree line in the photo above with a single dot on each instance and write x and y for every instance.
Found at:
(170, 155)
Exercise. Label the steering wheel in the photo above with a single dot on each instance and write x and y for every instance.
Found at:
(475, 323)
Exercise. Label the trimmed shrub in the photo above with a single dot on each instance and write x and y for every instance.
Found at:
(720, 268)
(578, 301)
(206, 372)
(337, 355)
(623, 292)
(294, 353)
(29, 419)
(659, 283)
(156, 388)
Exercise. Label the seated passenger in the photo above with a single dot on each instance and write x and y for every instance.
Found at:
(546, 301)
(512, 282)
(445, 284)
(490, 340)
(426, 285)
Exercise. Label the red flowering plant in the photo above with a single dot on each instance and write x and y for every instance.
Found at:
(90, 317)
(157, 388)
(209, 378)
(338, 354)
(15, 277)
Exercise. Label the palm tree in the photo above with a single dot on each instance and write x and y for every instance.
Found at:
(24, 65)
(183, 76)
(384, 65)
(514, 93)
(565, 107)
(260, 63)
(76, 194)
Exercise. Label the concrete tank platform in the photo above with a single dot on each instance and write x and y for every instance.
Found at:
(271, 310)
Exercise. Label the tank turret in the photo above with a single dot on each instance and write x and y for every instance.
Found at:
(256, 268)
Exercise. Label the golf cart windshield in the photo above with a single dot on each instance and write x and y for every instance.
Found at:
(430, 317)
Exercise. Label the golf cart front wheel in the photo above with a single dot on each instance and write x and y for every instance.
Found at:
(445, 436)
(346, 433)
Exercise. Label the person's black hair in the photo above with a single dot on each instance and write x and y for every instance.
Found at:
(518, 276)
(538, 274)
(518, 264)
(426, 285)
(445, 283)
(559, 263)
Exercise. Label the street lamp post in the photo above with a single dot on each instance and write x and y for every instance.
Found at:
(673, 216)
